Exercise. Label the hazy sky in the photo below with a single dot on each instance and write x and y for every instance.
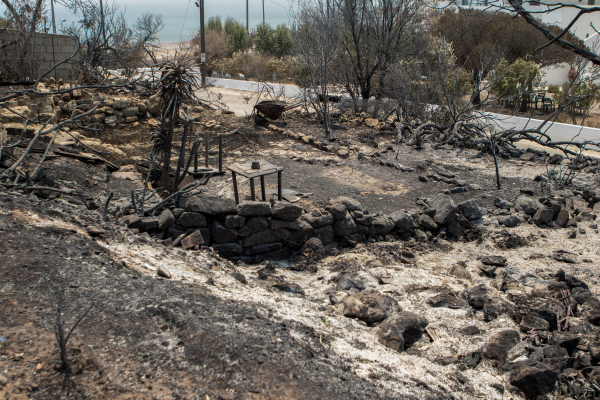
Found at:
(174, 13)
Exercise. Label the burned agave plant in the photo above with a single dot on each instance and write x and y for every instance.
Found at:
(177, 86)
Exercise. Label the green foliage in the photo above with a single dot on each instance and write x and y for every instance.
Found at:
(214, 24)
(553, 90)
(516, 78)
(579, 97)
(264, 39)
(282, 41)
(236, 36)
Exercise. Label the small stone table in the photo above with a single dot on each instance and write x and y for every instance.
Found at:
(245, 170)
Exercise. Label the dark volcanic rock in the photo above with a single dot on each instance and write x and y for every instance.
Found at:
(590, 310)
(495, 307)
(254, 209)
(370, 306)
(317, 219)
(410, 325)
(390, 336)
(470, 330)
(478, 295)
(507, 338)
(382, 226)
(472, 209)
(228, 249)
(494, 352)
(535, 380)
(403, 221)
(266, 236)
(447, 300)
(286, 211)
(444, 208)
(338, 210)
(350, 203)
(234, 221)
(356, 281)
(253, 225)
(426, 222)
(531, 322)
(220, 234)
(345, 227)
(191, 219)
(210, 205)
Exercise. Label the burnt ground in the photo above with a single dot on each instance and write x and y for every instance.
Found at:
(205, 335)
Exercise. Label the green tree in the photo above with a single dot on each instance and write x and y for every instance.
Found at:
(282, 41)
(264, 39)
(236, 36)
(214, 24)
(516, 80)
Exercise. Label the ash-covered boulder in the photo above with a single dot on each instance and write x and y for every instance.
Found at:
(318, 219)
(447, 300)
(370, 306)
(285, 211)
(254, 209)
(444, 208)
(526, 204)
(507, 338)
(228, 250)
(350, 203)
(220, 234)
(253, 225)
(472, 209)
(478, 295)
(345, 227)
(403, 221)
(210, 205)
(382, 226)
(356, 281)
(191, 219)
(534, 380)
(338, 210)
(411, 325)
(495, 307)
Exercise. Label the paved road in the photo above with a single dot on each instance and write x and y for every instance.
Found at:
(557, 131)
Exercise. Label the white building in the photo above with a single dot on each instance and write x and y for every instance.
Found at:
(549, 14)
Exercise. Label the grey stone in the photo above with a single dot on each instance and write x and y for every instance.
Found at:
(131, 112)
(350, 203)
(563, 217)
(370, 306)
(382, 226)
(527, 204)
(234, 221)
(543, 215)
(403, 221)
(446, 300)
(501, 203)
(210, 205)
(111, 120)
(534, 380)
(325, 234)
(338, 210)
(262, 248)
(228, 249)
(478, 295)
(365, 220)
(472, 209)
(220, 234)
(510, 221)
(426, 222)
(531, 322)
(390, 336)
(318, 221)
(285, 211)
(356, 281)
(191, 219)
(254, 209)
(508, 338)
(345, 227)
(253, 225)
(165, 219)
(298, 236)
(444, 208)
(192, 240)
(410, 325)
(495, 307)
(277, 224)
(266, 236)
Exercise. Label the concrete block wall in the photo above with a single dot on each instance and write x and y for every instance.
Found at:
(48, 50)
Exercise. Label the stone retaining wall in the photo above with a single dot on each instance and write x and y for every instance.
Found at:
(254, 230)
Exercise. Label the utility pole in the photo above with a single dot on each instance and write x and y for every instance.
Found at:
(200, 5)
(263, 12)
(53, 19)
(247, 28)
(102, 24)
